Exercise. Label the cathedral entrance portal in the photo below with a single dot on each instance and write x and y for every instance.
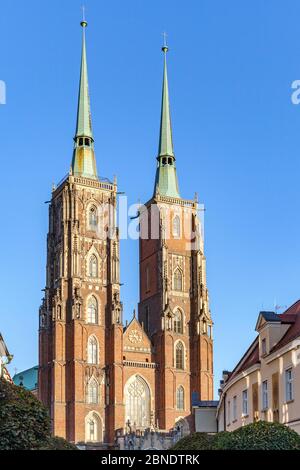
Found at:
(137, 399)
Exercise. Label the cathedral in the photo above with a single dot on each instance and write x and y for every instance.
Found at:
(99, 377)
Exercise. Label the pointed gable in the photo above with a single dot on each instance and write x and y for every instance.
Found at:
(135, 338)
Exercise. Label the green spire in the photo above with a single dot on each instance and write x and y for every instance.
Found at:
(166, 182)
(84, 163)
(165, 137)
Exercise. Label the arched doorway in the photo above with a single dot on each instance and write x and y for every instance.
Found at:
(93, 428)
(137, 402)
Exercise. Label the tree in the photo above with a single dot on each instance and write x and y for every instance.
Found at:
(195, 441)
(255, 436)
(261, 435)
(24, 421)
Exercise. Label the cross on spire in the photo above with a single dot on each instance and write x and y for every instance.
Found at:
(165, 42)
(165, 39)
(83, 22)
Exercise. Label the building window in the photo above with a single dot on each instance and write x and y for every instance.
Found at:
(265, 398)
(93, 310)
(179, 356)
(93, 392)
(93, 266)
(92, 350)
(264, 346)
(137, 402)
(147, 315)
(177, 279)
(289, 392)
(180, 398)
(228, 412)
(234, 408)
(93, 218)
(147, 278)
(176, 227)
(178, 322)
(245, 402)
(210, 331)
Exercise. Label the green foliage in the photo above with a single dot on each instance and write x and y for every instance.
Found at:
(196, 441)
(57, 443)
(256, 436)
(24, 421)
(259, 436)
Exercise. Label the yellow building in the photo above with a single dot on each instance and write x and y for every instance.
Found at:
(265, 384)
(5, 359)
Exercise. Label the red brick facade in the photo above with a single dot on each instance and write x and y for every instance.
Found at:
(95, 376)
(161, 298)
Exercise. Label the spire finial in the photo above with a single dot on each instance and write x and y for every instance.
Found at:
(165, 44)
(83, 22)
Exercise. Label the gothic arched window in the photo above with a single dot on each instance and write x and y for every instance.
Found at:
(177, 280)
(180, 398)
(92, 350)
(176, 227)
(93, 218)
(93, 266)
(147, 278)
(137, 408)
(92, 310)
(178, 321)
(147, 315)
(93, 391)
(179, 356)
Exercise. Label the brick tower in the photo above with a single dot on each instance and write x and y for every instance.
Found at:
(95, 376)
(81, 314)
(173, 295)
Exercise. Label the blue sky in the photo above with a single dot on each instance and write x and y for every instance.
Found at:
(236, 136)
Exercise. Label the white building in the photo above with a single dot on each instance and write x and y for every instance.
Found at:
(265, 384)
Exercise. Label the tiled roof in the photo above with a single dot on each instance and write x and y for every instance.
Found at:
(270, 316)
(206, 404)
(292, 316)
(250, 358)
(28, 378)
